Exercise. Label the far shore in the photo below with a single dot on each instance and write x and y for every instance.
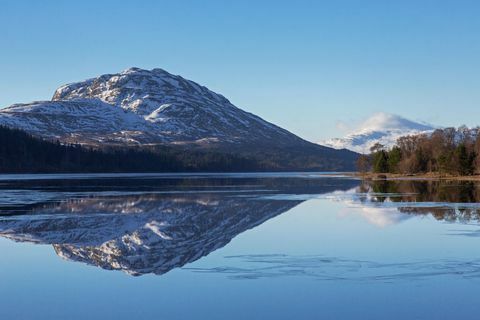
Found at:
(426, 176)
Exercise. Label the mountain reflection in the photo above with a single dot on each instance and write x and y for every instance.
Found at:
(143, 226)
(152, 225)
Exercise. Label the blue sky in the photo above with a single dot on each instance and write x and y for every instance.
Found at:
(304, 65)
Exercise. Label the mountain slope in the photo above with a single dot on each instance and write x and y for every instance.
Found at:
(88, 121)
(383, 128)
(143, 107)
(21, 152)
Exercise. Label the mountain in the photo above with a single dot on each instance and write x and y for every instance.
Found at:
(383, 128)
(139, 107)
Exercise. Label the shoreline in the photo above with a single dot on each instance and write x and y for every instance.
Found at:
(423, 176)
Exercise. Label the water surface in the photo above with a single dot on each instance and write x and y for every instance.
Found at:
(236, 246)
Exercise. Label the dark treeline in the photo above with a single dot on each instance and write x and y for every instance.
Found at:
(446, 151)
(22, 153)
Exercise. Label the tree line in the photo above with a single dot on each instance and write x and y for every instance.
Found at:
(452, 151)
(21, 152)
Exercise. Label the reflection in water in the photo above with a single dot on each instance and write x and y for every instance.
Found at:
(143, 234)
(169, 223)
(378, 216)
(423, 190)
(156, 224)
(164, 234)
(450, 201)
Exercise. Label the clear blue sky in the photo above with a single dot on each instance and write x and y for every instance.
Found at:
(304, 65)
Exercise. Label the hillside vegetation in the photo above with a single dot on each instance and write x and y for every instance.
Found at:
(21, 152)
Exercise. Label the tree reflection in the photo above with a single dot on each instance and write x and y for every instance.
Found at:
(451, 201)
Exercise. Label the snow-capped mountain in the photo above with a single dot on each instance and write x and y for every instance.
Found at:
(383, 128)
(150, 107)
(139, 107)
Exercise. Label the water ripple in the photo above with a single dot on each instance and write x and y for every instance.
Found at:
(331, 268)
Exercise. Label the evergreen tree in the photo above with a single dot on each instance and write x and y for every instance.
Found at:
(380, 161)
(465, 160)
(394, 157)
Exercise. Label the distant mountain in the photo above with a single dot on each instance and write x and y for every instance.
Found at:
(139, 107)
(383, 128)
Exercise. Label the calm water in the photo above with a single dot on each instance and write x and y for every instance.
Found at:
(255, 246)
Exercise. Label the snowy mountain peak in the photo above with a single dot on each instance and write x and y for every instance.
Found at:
(141, 91)
(384, 128)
